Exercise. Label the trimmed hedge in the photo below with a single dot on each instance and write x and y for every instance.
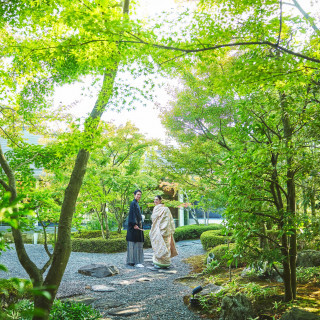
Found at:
(111, 245)
(212, 238)
(223, 255)
(92, 234)
(86, 234)
(117, 242)
(97, 245)
(194, 231)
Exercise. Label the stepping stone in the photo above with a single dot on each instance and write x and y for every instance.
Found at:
(123, 282)
(148, 260)
(108, 304)
(153, 268)
(168, 271)
(125, 312)
(157, 276)
(102, 288)
(144, 279)
(98, 270)
(149, 254)
(87, 300)
(163, 270)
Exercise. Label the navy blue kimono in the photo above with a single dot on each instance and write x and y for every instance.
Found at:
(134, 219)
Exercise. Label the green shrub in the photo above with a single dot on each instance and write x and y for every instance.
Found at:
(211, 267)
(307, 275)
(194, 231)
(69, 310)
(13, 290)
(225, 255)
(66, 310)
(147, 242)
(212, 238)
(22, 310)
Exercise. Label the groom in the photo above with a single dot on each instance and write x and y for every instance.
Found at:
(135, 237)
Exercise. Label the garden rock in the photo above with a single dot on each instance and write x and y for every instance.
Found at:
(263, 273)
(237, 307)
(298, 314)
(308, 258)
(98, 270)
(210, 257)
(210, 288)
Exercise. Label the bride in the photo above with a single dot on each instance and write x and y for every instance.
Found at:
(161, 235)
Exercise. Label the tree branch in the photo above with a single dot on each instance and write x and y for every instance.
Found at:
(196, 50)
(45, 237)
(5, 185)
(306, 15)
(10, 175)
(263, 215)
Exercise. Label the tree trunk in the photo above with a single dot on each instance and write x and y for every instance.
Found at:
(313, 203)
(62, 249)
(32, 270)
(291, 198)
(100, 219)
(120, 224)
(104, 214)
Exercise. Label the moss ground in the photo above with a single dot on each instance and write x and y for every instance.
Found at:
(270, 307)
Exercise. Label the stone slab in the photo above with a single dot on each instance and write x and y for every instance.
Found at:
(106, 303)
(122, 282)
(144, 279)
(153, 268)
(167, 271)
(87, 300)
(102, 288)
(125, 312)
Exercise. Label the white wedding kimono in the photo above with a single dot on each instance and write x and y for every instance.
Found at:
(161, 236)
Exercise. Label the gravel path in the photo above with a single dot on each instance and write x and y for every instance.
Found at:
(158, 297)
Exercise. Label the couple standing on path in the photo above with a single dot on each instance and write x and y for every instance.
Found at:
(161, 234)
